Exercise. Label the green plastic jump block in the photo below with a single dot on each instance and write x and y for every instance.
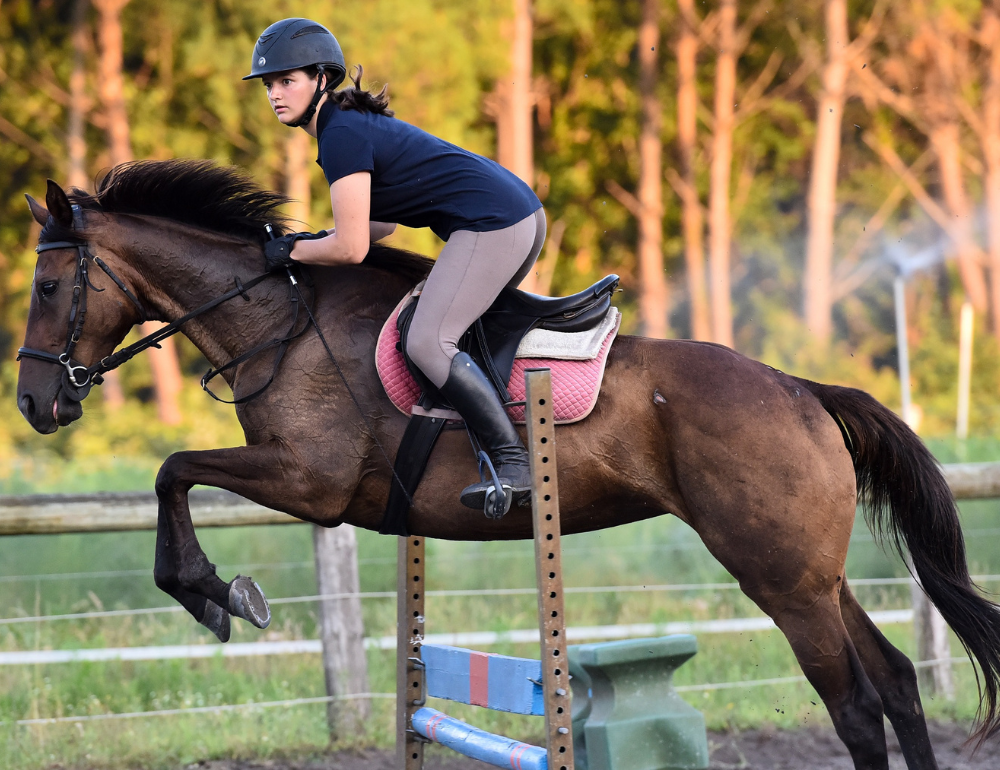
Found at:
(626, 713)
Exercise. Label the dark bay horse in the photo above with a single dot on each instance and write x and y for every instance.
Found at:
(766, 467)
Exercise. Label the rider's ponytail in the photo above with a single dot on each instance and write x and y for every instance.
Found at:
(356, 98)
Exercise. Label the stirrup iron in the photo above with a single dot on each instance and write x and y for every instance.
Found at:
(495, 505)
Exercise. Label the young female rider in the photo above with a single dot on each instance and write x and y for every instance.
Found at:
(383, 171)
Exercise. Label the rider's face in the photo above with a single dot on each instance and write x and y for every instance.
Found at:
(289, 93)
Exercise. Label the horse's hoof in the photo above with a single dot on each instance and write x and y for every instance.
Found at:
(216, 620)
(247, 601)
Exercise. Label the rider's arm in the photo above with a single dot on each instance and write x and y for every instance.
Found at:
(380, 230)
(348, 244)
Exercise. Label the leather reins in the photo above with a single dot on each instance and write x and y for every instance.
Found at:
(78, 378)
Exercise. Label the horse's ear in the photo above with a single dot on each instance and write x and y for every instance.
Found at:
(38, 211)
(59, 205)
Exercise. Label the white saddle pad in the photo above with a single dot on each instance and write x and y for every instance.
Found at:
(568, 346)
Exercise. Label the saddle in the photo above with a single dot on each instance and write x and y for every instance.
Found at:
(493, 341)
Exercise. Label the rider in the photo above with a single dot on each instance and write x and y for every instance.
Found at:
(383, 171)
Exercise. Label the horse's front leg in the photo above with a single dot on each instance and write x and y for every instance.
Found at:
(268, 474)
(208, 613)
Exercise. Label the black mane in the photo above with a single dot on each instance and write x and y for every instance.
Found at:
(217, 198)
(194, 192)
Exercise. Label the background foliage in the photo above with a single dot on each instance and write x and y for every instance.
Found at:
(183, 62)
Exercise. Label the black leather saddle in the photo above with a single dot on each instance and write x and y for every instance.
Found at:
(493, 339)
(492, 342)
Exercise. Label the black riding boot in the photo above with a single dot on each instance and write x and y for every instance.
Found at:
(475, 398)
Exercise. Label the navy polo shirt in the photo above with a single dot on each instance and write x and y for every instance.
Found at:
(419, 180)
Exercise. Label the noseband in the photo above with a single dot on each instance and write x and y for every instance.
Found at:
(78, 379)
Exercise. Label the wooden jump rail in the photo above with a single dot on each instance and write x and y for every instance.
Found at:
(495, 681)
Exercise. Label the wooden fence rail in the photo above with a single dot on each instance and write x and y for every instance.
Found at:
(129, 511)
(125, 512)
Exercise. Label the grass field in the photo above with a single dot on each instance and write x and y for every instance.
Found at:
(280, 558)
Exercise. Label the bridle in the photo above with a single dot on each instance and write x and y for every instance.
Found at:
(78, 378)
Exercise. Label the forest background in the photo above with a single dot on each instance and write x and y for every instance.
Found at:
(751, 169)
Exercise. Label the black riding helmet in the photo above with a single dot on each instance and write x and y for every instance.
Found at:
(292, 44)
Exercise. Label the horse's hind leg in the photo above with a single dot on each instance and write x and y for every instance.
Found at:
(894, 677)
(208, 613)
(832, 665)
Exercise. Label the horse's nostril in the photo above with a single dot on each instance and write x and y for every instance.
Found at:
(28, 406)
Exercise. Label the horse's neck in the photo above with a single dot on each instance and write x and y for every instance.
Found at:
(179, 268)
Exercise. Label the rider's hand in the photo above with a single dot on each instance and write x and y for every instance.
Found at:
(278, 252)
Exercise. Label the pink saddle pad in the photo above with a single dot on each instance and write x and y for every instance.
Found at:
(575, 384)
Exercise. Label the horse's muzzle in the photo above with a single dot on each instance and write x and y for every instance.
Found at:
(46, 415)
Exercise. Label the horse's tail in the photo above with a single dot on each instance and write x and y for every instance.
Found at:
(908, 502)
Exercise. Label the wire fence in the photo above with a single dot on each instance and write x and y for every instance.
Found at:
(293, 702)
(374, 561)
(667, 588)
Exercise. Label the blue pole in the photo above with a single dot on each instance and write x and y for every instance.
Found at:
(478, 744)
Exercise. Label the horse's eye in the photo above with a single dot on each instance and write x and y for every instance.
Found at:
(48, 288)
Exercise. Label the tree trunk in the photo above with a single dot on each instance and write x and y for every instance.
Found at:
(654, 296)
(162, 361)
(514, 106)
(297, 161)
(112, 88)
(341, 628)
(818, 287)
(76, 152)
(76, 146)
(687, 128)
(991, 152)
(940, 89)
(945, 140)
(521, 99)
(719, 225)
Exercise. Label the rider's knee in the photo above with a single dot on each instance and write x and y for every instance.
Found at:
(430, 354)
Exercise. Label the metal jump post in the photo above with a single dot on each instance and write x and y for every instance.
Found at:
(498, 682)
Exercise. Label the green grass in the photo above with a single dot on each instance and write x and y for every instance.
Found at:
(651, 552)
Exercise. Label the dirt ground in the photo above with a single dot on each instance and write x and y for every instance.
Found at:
(807, 749)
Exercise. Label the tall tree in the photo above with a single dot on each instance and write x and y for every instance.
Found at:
(818, 293)
(76, 145)
(163, 360)
(512, 107)
(990, 138)
(919, 80)
(653, 300)
(687, 137)
(76, 149)
(936, 46)
(719, 220)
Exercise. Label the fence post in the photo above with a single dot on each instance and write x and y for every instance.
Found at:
(931, 633)
(341, 627)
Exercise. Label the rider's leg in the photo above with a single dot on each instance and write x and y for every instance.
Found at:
(468, 275)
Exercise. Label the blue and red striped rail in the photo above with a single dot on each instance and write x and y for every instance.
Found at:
(496, 682)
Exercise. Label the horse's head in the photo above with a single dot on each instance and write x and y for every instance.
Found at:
(73, 322)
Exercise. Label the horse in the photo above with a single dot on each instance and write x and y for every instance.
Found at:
(767, 468)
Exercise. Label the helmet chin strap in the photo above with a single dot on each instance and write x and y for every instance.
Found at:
(311, 109)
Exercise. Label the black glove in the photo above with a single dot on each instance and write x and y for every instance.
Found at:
(278, 252)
